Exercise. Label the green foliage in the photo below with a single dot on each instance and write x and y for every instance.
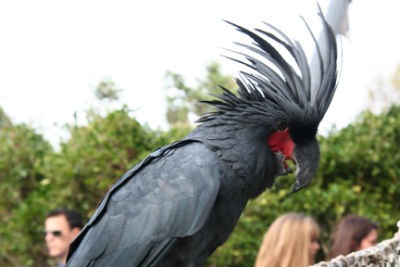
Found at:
(107, 89)
(185, 99)
(4, 119)
(22, 153)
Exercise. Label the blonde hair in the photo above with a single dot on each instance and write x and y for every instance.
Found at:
(287, 242)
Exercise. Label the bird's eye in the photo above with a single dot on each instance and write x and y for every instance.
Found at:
(281, 125)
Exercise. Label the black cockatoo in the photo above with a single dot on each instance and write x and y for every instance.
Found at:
(180, 203)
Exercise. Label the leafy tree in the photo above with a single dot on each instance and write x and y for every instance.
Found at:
(22, 153)
(184, 100)
(4, 119)
(107, 90)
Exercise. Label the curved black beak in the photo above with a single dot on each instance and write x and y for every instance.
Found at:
(306, 156)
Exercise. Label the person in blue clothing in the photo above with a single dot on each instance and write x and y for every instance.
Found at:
(61, 227)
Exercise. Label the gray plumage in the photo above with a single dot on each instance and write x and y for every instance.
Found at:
(181, 202)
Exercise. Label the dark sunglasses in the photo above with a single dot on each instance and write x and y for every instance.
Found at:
(56, 233)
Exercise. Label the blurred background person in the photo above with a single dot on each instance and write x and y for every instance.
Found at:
(61, 227)
(353, 233)
(291, 241)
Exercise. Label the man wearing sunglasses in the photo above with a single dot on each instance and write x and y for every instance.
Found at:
(61, 227)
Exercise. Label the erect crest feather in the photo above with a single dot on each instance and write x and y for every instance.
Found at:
(278, 84)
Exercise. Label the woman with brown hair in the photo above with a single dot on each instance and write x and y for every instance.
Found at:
(353, 233)
(291, 241)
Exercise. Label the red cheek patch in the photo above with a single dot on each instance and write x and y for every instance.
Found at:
(281, 142)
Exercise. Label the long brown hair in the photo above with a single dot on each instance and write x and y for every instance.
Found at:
(350, 231)
(287, 242)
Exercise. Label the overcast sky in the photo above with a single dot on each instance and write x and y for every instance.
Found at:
(54, 53)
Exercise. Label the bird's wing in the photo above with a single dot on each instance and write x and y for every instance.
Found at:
(168, 195)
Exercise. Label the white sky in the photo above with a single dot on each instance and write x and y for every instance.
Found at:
(54, 53)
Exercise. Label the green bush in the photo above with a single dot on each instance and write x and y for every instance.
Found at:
(22, 153)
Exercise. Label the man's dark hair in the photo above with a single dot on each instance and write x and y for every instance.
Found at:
(74, 218)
